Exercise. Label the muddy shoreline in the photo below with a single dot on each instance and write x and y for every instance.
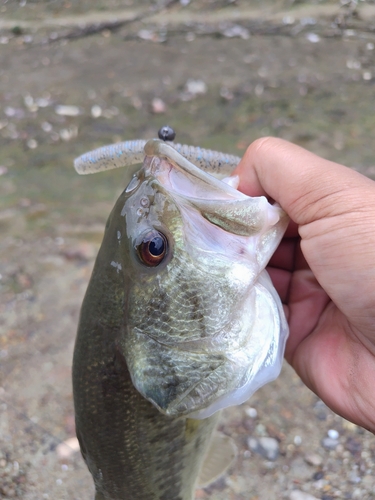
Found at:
(222, 75)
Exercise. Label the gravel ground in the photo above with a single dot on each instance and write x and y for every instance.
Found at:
(222, 74)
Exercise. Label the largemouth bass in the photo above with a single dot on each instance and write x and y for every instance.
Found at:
(179, 320)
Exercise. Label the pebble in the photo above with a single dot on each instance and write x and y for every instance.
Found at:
(46, 127)
(314, 459)
(158, 106)
(297, 440)
(96, 111)
(333, 434)
(251, 412)
(195, 87)
(67, 448)
(288, 20)
(266, 446)
(236, 30)
(354, 446)
(66, 134)
(301, 495)
(329, 443)
(308, 21)
(354, 478)
(313, 37)
(32, 143)
(146, 34)
(67, 110)
(367, 75)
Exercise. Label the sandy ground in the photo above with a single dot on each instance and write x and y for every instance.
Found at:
(76, 75)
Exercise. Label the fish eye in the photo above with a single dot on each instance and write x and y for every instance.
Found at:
(153, 248)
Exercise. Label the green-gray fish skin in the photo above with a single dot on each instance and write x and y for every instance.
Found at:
(179, 321)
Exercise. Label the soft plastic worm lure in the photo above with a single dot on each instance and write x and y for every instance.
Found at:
(128, 153)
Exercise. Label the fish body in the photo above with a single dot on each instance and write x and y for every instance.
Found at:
(179, 320)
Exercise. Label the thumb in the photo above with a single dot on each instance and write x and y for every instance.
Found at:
(334, 208)
(305, 185)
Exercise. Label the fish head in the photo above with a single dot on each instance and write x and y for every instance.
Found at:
(203, 325)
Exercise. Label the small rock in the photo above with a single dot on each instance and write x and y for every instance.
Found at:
(329, 443)
(158, 106)
(251, 412)
(313, 37)
(96, 111)
(260, 429)
(146, 35)
(266, 446)
(297, 440)
(353, 445)
(314, 459)
(46, 127)
(353, 64)
(308, 21)
(226, 94)
(318, 475)
(67, 110)
(67, 134)
(320, 484)
(333, 434)
(236, 30)
(299, 470)
(367, 75)
(301, 495)
(354, 478)
(195, 87)
(32, 144)
(67, 448)
(368, 481)
(151, 36)
(288, 20)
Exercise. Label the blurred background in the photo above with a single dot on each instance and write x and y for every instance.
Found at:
(75, 75)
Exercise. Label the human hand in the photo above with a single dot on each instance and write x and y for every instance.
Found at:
(324, 270)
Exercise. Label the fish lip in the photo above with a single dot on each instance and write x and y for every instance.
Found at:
(160, 149)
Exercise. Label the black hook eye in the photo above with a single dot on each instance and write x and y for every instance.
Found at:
(153, 248)
(166, 133)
